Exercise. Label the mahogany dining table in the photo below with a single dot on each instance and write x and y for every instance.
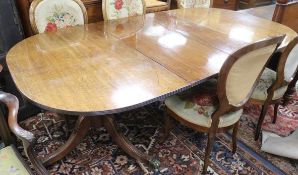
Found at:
(100, 69)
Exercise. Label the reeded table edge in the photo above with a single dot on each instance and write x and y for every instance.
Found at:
(118, 110)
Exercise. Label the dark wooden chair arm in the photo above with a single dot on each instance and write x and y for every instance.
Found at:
(12, 104)
(27, 137)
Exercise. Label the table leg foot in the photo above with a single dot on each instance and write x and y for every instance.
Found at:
(126, 145)
(81, 128)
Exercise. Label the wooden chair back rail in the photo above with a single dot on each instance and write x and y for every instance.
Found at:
(286, 13)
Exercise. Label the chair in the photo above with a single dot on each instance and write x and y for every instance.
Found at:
(50, 15)
(116, 9)
(273, 85)
(216, 106)
(157, 5)
(194, 3)
(11, 161)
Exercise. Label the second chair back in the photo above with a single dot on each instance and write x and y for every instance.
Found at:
(116, 9)
(194, 3)
(288, 61)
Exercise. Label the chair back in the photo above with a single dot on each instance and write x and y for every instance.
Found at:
(194, 3)
(240, 72)
(116, 9)
(50, 15)
(288, 64)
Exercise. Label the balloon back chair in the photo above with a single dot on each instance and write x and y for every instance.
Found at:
(216, 105)
(50, 15)
(10, 160)
(117, 9)
(273, 85)
(194, 3)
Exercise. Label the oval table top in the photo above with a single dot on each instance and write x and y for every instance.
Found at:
(110, 67)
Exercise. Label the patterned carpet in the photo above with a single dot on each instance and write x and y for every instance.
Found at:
(181, 153)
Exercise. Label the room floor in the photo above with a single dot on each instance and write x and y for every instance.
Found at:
(181, 153)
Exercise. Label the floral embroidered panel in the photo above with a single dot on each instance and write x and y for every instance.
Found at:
(194, 3)
(116, 9)
(10, 164)
(51, 15)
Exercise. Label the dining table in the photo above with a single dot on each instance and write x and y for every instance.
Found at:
(101, 69)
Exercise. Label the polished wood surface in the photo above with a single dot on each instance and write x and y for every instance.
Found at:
(91, 70)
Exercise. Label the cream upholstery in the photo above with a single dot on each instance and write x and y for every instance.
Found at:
(194, 3)
(242, 75)
(267, 79)
(116, 9)
(291, 64)
(154, 3)
(10, 164)
(198, 104)
(50, 15)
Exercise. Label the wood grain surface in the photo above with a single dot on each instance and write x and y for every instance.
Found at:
(113, 66)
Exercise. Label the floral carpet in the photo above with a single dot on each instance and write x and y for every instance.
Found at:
(181, 153)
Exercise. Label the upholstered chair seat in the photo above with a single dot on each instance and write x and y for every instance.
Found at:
(198, 104)
(156, 6)
(50, 15)
(267, 79)
(10, 163)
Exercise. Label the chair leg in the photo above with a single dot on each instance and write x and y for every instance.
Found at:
(234, 137)
(275, 111)
(167, 127)
(208, 150)
(291, 89)
(261, 119)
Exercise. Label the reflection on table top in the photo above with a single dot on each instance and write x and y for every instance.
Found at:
(113, 66)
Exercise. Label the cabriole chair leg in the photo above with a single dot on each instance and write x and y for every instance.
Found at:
(234, 137)
(208, 151)
(261, 119)
(275, 111)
